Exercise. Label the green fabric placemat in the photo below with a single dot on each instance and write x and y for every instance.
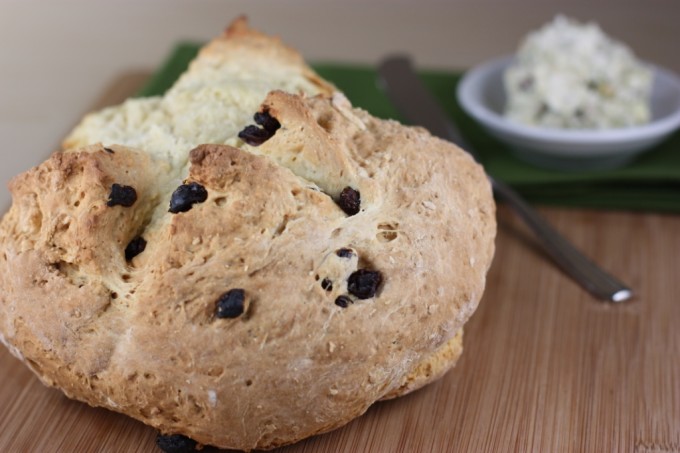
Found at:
(650, 183)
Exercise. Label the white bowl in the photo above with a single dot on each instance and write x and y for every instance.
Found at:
(482, 95)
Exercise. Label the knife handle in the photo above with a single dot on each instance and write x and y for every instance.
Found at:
(584, 271)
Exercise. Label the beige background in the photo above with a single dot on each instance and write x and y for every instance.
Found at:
(57, 56)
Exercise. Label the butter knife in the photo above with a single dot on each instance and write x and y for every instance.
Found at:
(417, 105)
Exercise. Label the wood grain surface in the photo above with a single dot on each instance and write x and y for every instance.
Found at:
(546, 368)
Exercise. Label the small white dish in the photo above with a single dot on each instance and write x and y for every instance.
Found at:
(482, 95)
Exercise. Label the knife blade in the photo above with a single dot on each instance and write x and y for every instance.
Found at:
(405, 89)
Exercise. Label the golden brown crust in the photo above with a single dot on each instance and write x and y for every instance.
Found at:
(240, 55)
(430, 368)
(141, 337)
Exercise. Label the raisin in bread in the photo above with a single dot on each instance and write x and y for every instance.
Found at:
(247, 260)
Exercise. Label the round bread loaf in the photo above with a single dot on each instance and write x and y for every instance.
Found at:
(256, 281)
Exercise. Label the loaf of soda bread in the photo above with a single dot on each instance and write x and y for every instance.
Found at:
(247, 260)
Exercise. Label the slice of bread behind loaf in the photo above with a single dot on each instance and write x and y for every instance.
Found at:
(210, 103)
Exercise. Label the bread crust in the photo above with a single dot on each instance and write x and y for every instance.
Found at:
(141, 336)
(430, 368)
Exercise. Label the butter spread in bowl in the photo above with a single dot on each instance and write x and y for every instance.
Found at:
(573, 99)
(572, 75)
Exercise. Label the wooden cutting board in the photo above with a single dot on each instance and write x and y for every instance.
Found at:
(546, 367)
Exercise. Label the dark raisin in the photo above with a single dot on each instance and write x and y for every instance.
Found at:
(122, 195)
(134, 248)
(268, 122)
(343, 301)
(349, 201)
(364, 283)
(109, 150)
(254, 136)
(175, 443)
(230, 304)
(186, 195)
(327, 284)
(344, 253)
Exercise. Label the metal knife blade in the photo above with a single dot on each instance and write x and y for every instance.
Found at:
(415, 103)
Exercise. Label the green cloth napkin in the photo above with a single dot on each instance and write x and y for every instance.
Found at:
(650, 183)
